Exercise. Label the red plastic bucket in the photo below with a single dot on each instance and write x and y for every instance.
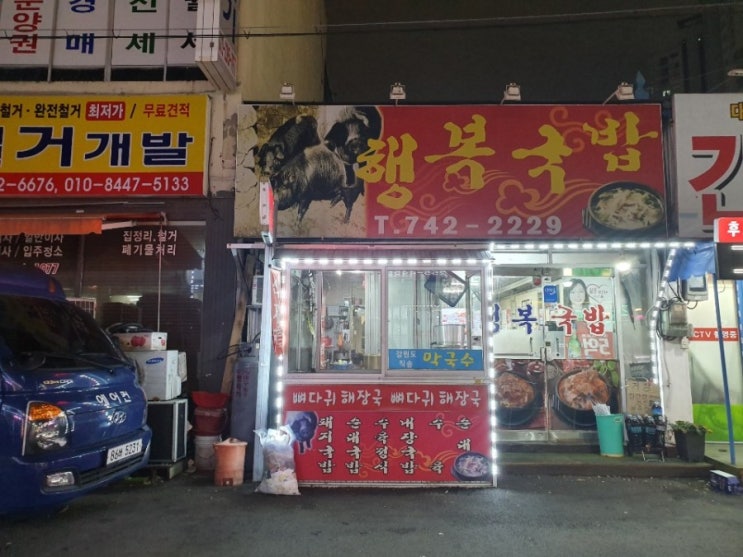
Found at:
(209, 421)
(205, 399)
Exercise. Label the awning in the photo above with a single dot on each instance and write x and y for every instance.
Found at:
(49, 224)
(39, 223)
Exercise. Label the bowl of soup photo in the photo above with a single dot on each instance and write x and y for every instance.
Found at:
(577, 392)
(625, 209)
(518, 399)
(472, 467)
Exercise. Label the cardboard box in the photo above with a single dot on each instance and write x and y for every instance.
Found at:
(159, 369)
(724, 481)
(142, 341)
(640, 396)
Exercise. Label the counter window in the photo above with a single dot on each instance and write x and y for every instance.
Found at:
(334, 321)
(434, 320)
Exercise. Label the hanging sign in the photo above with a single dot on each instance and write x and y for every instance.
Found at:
(277, 325)
(728, 230)
(90, 34)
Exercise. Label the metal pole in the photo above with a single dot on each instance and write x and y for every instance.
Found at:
(726, 390)
(263, 402)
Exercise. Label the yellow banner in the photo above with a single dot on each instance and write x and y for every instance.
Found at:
(52, 144)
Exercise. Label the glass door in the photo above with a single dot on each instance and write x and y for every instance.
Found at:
(555, 351)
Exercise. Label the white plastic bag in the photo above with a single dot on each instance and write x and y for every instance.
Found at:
(279, 475)
(600, 409)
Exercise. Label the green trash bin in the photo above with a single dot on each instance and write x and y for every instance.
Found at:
(611, 434)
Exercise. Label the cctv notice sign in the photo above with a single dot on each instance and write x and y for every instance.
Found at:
(99, 146)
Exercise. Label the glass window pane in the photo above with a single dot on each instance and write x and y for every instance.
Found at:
(334, 321)
(434, 320)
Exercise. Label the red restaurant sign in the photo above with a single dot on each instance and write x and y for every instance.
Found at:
(729, 230)
(515, 172)
(376, 433)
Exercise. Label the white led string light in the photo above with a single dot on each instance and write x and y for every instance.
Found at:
(492, 402)
(589, 246)
(286, 262)
(489, 283)
(283, 313)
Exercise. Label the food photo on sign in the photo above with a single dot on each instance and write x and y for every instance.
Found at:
(625, 208)
(582, 384)
(519, 392)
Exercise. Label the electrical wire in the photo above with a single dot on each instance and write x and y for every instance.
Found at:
(273, 31)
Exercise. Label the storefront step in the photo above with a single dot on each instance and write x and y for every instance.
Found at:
(594, 464)
(547, 447)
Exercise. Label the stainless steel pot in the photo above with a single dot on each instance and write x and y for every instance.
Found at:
(451, 336)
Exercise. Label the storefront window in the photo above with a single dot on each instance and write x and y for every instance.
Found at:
(567, 337)
(334, 321)
(147, 275)
(434, 320)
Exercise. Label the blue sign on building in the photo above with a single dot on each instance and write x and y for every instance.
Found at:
(444, 359)
(550, 294)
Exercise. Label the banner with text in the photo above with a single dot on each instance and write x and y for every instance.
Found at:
(709, 157)
(79, 146)
(372, 434)
(494, 172)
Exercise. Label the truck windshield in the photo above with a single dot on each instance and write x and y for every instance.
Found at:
(32, 325)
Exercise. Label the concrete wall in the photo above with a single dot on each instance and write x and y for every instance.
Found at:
(280, 45)
(557, 51)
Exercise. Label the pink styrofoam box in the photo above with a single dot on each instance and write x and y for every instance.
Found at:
(142, 341)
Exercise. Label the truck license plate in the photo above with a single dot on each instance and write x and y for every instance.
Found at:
(120, 452)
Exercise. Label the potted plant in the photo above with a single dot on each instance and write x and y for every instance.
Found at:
(690, 440)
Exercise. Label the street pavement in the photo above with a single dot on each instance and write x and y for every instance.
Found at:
(539, 515)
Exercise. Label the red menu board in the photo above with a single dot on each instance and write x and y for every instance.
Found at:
(371, 433)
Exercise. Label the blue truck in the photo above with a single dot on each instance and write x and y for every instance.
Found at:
(73, 416)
